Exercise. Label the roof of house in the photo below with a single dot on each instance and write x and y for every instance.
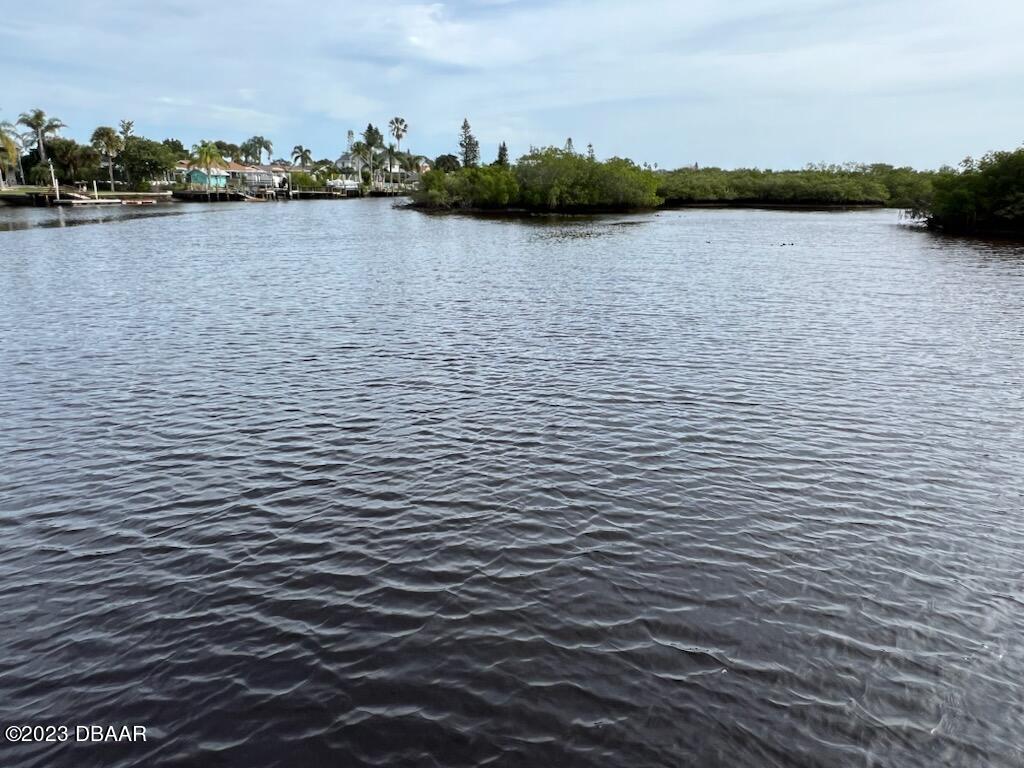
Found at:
(211, 171)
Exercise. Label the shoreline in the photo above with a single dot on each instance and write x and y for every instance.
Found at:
(680, 205)
(612, 210)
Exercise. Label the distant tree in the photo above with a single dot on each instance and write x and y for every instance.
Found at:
(107, 142)
(127, 129)
(372, 139)
(447, 163)
(569, 146)
(250, 149)
(175, 146)
(469, 147)
(228, 149)
(412, 163)
(590, 152)
(253, 149)
(398, 128)
(983, 196)
(144, 160)
(42, 126)
(72, 160)
(389, 154)
(301, 155)
(502, 155)
(20, 142)
(372, 136)
(10, 153)
(365, 154)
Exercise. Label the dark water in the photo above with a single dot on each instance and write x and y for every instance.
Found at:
(331, 484)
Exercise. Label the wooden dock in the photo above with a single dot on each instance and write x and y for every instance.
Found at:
(210, 195)
(322, 193)
(80, 201)
(40, 198)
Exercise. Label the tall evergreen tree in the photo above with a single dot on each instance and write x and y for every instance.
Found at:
(469, 146)
(502, 155)
(569, 147)
(372, 138)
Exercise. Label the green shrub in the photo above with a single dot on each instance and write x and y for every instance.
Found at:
(552, 180)
(987, 195)
(825, 186)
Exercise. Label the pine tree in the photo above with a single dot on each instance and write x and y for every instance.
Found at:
(569, 147)
(590, 152)
(470, 146)
(502, 155)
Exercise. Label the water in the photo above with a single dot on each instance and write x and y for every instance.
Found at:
(330, 483)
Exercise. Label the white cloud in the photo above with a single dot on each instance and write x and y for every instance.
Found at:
(657, 79)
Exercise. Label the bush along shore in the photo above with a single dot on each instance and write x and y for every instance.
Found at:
(985, 197)
(561, 181)
(543, 181)
(980, 197)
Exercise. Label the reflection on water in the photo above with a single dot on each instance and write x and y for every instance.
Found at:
(336, 484)
(15, 218)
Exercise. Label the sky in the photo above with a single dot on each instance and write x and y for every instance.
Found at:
(743, 83)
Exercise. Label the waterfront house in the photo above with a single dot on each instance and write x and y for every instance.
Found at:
(351, 164)
(249, 176)
(179, 175)
(273, 175)
(212, 178)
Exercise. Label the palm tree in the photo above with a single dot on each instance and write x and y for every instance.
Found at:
(12, 146)
(399, 128)
(389, 155)
(108, 142)
(42, 126)
(256, 146)
(364, 153)
(74, 158)
(302, 156)
(21, 142)
(246, 149)
(9, 154)
(206, 156)
(411, 163)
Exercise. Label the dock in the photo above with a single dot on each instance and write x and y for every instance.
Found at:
(81, 201)
(261, 194)
(47, 196)
(322, 193)
(210, 195)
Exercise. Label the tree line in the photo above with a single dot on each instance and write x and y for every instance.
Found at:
(562, 179)
(983, 196)
(32, 144)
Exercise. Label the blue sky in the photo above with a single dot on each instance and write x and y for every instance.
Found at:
(766, 83)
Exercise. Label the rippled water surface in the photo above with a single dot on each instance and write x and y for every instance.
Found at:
(333, 484)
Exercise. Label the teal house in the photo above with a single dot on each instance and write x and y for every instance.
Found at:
(217, 178)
